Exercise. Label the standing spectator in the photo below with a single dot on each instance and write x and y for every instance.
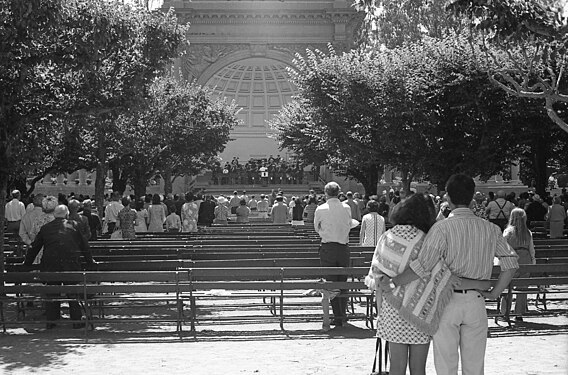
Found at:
(253, 203)
(234, 202)
(126, 219)
(310, 209)
(279, 212)
(189, 214)
(83, 223)
(95, 224)
(222, 211)
(111, 211)
(62, 245)
(206, 211)
(30, 220)
(355, 210)
(15, 211)
(243, 212)
(383, 208)
(372, 225)
(477, 205)
(262, 207)
(173, 222)
(298, 212)
(156, 215)
(535, 210)
(141, 218)
(519, 237)
(467, 244)
(499, 210)
(332, 221)
(556, 218)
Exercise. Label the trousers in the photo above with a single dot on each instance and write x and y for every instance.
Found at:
(462, 332)
(334, 254)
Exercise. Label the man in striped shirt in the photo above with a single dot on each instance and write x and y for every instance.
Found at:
(467, 244)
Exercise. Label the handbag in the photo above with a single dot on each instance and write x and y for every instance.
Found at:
(116, 235)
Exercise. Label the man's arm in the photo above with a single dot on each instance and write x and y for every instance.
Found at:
(504, 279)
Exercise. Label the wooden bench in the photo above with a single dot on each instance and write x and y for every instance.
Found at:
(96, 290)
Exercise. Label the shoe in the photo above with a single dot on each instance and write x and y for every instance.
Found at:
(519, 319)
(337, 323)
(50, 326)
(326, 327)
(78, 325)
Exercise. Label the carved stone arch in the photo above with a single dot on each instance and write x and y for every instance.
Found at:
(211, 70)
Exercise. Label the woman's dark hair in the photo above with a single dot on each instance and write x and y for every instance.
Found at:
(313, 200)
(460, 188)
(139, 205)
(373, 206)
(189, 197)
(125, 201)
(243, 202)
(156, 199)
(417, 210)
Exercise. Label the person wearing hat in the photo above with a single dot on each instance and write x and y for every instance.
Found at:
(63, 244)
(221, 211)
(14, 212)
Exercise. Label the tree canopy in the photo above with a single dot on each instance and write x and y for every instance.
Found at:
(533, 35)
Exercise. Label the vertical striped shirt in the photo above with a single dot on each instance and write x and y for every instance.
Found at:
(468, 245)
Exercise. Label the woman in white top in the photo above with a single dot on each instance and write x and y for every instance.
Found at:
(372, 225)
(520, 238)
(141, 218)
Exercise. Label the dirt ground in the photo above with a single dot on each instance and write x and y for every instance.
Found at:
(538, 346)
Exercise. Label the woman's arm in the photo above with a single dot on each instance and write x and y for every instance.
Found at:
(362, 232)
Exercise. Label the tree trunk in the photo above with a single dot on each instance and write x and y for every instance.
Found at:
(140, 183)
(3, 192)
(168, 182)
(371, 181)
(118, 180)
(101, 172)
(541, 156)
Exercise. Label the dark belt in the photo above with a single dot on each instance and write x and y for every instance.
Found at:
(463, 291)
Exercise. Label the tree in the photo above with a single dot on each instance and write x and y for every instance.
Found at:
(128, 43)
(533, 34)
(180, 130)
(426, 108)
(391, 23)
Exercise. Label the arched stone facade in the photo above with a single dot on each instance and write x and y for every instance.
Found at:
(242, 50)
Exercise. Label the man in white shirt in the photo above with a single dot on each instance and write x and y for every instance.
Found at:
(15, 211)
(262, 207)
(111, 211)
(332, 221)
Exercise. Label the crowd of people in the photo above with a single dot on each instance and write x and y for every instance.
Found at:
(431, 270)
(267, 171)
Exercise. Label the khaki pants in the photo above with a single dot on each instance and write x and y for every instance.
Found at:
(462, 332)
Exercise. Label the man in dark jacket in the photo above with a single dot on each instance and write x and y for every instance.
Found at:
(63, 244)
(206, 211)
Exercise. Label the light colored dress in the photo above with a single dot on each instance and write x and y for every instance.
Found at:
(141, 219)
(390, 325)
(189, 216)
(221, 214)
(157, 217)
(372, 227)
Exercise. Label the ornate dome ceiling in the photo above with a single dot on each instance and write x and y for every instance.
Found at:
(260, 86)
